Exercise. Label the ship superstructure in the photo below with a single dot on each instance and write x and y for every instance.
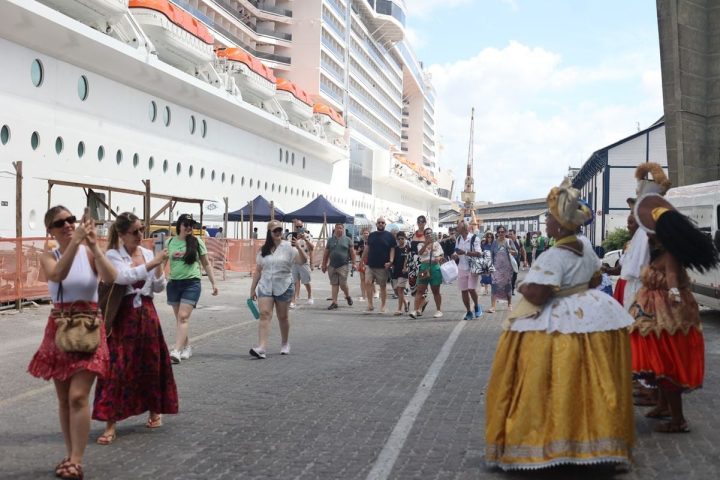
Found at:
(211, 99)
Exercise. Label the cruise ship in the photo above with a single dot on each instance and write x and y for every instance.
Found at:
(204, 103)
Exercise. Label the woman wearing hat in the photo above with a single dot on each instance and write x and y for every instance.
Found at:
(666, 337)
(186, 252)
(560, 388)
(272, 285)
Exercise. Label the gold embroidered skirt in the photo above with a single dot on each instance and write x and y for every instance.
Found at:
(557, 398)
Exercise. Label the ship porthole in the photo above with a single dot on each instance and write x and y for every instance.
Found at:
(151, 163)
(303, 163)
(118, 157)
(192, 124)
(35, 140)
(292, 161)
(166, 116)
(191, 170)
(165, 166)
(5, 134)
(281, 155)
(136, 160)
(203, 128)
(37, 72)
(212, 175)
(222, 177)
(251, 183)
(81, 149)
(178, 168)
(242, 182)
(152, 112)
(101, 153)
(273, 187)
(83, 88)
(59, 145)
(202, 173)
(232, 179)
(286, 189)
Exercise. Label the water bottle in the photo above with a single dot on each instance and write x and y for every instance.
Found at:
(253, 308)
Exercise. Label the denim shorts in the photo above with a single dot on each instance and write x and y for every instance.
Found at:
(284, 297)
(183, 291)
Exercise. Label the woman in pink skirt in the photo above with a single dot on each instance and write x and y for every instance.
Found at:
(72, 271)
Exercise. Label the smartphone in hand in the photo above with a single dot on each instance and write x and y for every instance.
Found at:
(159, 243)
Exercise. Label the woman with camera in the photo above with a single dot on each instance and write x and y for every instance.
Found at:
(431, 255)
(140, 377)
(72, 270)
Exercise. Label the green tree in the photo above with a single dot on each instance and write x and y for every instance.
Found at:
(616, 240)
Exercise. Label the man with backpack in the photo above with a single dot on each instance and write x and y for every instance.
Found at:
(466, 248)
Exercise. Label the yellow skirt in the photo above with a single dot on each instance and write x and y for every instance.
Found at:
(559, 399)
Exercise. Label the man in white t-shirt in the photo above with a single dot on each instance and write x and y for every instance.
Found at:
(467, 246)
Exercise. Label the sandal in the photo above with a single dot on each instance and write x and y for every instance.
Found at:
(60, 466)
(398, 313)
(106, 438)
(71, 471)
(658, 412)
(671, 427)
(154, 422)
(490, 310)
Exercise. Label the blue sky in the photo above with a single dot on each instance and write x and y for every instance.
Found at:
(551, 81)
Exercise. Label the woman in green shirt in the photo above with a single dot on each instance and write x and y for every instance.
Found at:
(186, 253)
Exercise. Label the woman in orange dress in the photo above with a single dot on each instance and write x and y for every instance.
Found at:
(666, 337)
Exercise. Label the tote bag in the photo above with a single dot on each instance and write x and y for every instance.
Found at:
(449, 272)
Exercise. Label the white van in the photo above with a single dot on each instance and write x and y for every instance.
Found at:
(701, 202)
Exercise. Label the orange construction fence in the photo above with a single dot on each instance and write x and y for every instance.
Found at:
(21, 277)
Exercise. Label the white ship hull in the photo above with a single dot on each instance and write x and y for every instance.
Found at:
(244, 151)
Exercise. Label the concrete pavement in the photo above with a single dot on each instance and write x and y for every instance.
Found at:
(360, 396)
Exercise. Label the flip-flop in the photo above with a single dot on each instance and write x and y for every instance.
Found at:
(670, 427)
(106, 438)
(154, 422)
(61, 466)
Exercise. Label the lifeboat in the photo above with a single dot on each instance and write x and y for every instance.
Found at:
(294, 100)
(90, 12)
(180, 39)
(256, 81)
(332, 122)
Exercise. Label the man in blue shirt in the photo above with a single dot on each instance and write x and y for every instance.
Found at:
(380, 253)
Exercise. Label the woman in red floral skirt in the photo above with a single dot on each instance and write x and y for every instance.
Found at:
(72, 272)
(140, 377)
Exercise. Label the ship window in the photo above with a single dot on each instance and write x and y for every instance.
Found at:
(286, 156)
(222, 177)
(191, 170)
(192, 124)
(36, 72)
(5, 134)
(59, 144)
(251, 183)
(242, 182)
(292, 162)
(303, 163)
(151, 163)
(257, 182)
(203, 128)
(202, 173)
(35, 140)
(266, 186)
(81, 149)
(286, 189)
(212, 175)
(136, 160)
(153, 111)
(118, 157)
(101, 153)
(273, 187)
(166, 116)
(165, 165)
(178, 168)
(83, 89)
(232, 179)
(292, 190)
(281, 155)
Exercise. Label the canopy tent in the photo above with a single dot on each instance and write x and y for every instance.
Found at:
(320, 210)
(260, 209)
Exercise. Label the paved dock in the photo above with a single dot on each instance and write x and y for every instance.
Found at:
(359, 397)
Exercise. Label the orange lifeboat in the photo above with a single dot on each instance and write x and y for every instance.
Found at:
(294, 100)
(180, 39)
(256, 81)
(332, 122)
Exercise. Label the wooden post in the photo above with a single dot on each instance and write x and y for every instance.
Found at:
(242, 224)
(272, 210)
(250, 228)
(19, 260)
(225, 220)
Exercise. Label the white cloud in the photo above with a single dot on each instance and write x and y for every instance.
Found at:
(423, 8)
(535, 117)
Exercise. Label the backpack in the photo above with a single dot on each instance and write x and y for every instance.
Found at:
(477, 264)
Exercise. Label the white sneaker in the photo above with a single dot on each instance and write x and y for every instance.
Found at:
(285, 349)
(175, 356)
(438, 314)
(292, 305)
(257, 353)
(186, 352)
(310, 301)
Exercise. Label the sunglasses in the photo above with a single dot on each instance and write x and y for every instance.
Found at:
(277, 230)
(61, 223)
(140, 231)
(381, 223)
